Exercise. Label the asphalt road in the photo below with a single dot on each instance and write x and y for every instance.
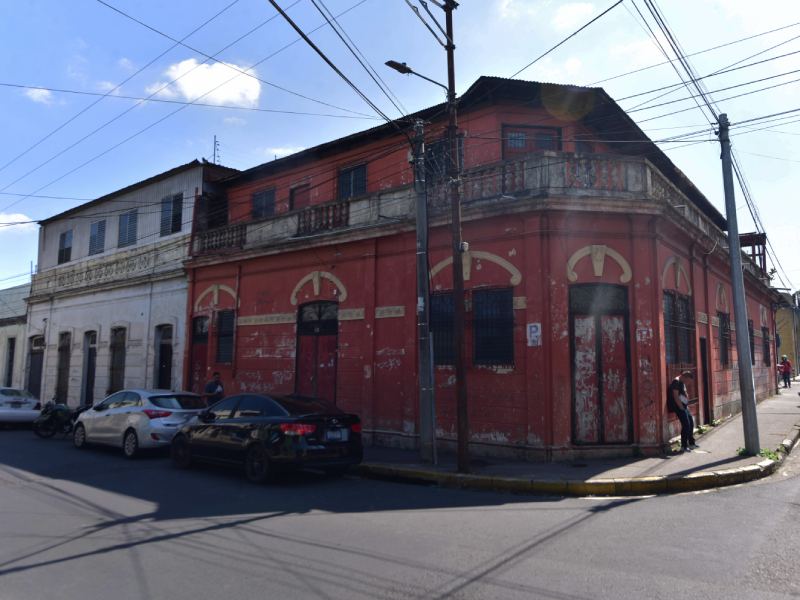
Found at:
(90, 525)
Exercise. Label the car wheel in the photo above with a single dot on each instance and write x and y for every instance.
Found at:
(256, 464)
(130, 444)
(181, 453)
(45, 429)
(79, 436)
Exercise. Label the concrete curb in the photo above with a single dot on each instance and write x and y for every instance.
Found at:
(628, 486)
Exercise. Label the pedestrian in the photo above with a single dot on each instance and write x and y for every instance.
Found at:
(786, 370)
(214, 389)
(678, 403)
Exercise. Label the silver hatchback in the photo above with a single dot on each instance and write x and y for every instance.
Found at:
(136, 419)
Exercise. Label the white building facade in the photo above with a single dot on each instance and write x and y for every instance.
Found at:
(13, 311)
(107, 308)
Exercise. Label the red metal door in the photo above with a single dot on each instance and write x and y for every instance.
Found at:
(601, 366)
(198, 359)
(317, 341)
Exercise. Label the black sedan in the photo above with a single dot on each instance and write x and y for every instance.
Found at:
(265, 434)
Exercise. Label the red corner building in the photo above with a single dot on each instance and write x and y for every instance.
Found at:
(596, 272)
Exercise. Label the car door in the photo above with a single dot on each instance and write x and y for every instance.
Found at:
(206, 434)
(122, 415)
(97, 422)
(249, 417)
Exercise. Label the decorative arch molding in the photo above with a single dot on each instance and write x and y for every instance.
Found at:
(214, 291)
(316, 277)
(466, 263)
(598, 255)
(675, 262)
(722, 299)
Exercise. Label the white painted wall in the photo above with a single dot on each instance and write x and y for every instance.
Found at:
(138, 287)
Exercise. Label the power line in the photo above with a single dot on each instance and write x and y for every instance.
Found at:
(231, 66)
(112, 90)
(143, 99)
(726, 44)
(348, 43)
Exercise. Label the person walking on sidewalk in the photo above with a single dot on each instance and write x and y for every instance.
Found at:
(678, 403)
(786, 371)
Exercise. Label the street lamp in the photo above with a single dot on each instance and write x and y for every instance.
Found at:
(453, 174)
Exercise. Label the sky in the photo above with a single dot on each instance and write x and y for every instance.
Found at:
(272, 95)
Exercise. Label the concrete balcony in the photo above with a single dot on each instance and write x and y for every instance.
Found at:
(574, 180)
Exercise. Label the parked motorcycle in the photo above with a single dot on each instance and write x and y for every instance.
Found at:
(55, 418)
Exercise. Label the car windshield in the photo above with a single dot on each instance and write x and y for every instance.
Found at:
(299, 405)
(16, 393)
(176, 401)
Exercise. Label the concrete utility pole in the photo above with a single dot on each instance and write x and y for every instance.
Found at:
(427, 409)
(746, 385)
(454, 175)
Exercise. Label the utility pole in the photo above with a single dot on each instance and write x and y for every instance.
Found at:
(454, 175)
(427, 410)
(216, 148)
(746, 385)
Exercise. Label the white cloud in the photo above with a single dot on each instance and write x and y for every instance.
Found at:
(515, 9)
(573, 15)
(39, 95)
(126, 64)
(107, 86)
(24, 225)
(548, 70)
(238, 121)
(195, 81)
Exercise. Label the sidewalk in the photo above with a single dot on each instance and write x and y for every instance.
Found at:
(715, 463)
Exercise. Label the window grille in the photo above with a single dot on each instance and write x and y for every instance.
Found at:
(724, 338)
(493, 326)
(225, 326)
(766, 350)
(441, 327)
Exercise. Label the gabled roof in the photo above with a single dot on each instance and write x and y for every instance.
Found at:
(213, 172)
(12, 302)
(600, 112)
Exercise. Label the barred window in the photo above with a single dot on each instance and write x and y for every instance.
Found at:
(765, 350)
(441, 327)
(752, 342)
(724, 339)
(493, 326)
(225, 326)
(679, 328)
(264, 204)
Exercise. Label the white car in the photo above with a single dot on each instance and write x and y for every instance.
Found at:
(136, 419)
(18, 406)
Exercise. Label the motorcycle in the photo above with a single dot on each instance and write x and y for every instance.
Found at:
(55, 418)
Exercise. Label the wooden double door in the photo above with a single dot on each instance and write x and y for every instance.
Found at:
(317, 346)
(600, 357)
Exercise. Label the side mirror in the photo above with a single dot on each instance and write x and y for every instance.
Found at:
(207, 416)
(98, 407)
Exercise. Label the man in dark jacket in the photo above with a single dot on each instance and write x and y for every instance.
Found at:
(214, 389)
(678, 402)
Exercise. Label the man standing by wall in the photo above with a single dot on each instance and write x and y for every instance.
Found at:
(214, 390)
(678, 402)
(786, 371)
